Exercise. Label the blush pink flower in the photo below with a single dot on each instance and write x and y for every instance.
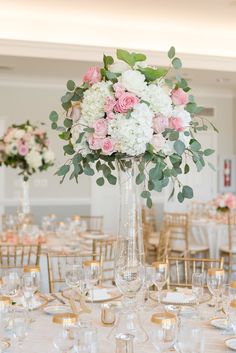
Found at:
(230, 201)
(100, 128)
(158, 142)
(107, 146)
(93, 75)
(119, 90)
(176, 124)
(110, 115)
(23, 149)
(179, 97)
(39, 132)
(125, 102)
(160, 123)
(110, 102)
(94, 142)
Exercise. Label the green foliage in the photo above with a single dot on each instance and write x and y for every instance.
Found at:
(70, 85)
(129, 58)
(171, 53)
(177, 64)
(53, 116)
(153, 74)
(179, 147)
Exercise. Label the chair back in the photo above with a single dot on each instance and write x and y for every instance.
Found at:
(18, 255)
(106, 251)
(181, 269)
(57, 265)
(231, 220)
(177, 224)
(163, 245)
(94, 223)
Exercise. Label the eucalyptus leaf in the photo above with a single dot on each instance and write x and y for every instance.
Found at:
(53, 116)
(179, 147)
(63, 170)
(177, 64)
(100, 181)
(208, 152)
(171, 53)
(70, 85)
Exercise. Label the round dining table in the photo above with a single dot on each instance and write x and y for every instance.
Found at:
(43, 330)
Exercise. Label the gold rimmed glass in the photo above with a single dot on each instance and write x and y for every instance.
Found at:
(160, 277)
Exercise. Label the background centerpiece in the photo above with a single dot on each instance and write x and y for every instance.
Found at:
(26, 148)
(129, 116)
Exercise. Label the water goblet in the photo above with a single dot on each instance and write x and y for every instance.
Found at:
(160, 277)
(92, 275)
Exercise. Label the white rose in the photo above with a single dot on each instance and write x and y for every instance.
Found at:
(158, 141)
(48, 156)
(19, 133)
(34, 159)
(133, 81)
(119, 66)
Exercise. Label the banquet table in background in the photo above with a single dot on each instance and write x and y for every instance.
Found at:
(210, 233)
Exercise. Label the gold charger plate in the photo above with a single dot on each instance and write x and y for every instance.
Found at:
(113, 293)
(153, 295)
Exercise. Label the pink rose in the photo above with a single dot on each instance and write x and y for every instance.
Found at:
(23, 149)
(230, 201)
(176, 124)
(158, 142)
(110, 102)
(94, 142)
(119, 90)
(100, 127)
(125, 102)
(110, 115)
(74, 112)
(179, 97)
(160, 123)
(107, 146)
(93, 75)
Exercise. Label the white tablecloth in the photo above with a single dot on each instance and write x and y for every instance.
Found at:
(42, 331)
(209, 233)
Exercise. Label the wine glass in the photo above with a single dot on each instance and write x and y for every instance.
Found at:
(160, 277)
(215, 281)
(163, 331)
(30, 285)
(92, 274)
(19, 326)
(197, 287)
(226, 300)
(149, 281)
(75, 278)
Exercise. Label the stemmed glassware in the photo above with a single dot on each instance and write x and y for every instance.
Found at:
(198, 280)
(160, 277)
(149, 281)
(226, 300)
(215, 281)
(92, 274)
(75, 278)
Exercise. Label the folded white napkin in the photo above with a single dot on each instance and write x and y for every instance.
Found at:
(99, 294)
(175, 297)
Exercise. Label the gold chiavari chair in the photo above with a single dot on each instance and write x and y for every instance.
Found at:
(229, 251)
(178, 224)
(18, 256)
(181, 269)
(163, 245)
(94, 223)
(149, 216)
(106, 251)
(57, 264)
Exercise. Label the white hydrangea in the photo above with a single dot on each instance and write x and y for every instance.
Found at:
(180, 112)
(11, 148)
(92, 107)
(81, 147)
(132, 134)
(48, 156)
(133, 81)
(34, 159)
(19, 133)
(159, 100)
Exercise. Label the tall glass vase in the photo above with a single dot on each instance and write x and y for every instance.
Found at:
(25, 200)
(129, 255)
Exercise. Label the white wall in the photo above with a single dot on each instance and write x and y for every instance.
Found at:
(33, 102)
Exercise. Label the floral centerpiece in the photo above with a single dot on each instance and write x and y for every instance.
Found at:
(128, 109)
(225, 202)
(26, 148)
(130, 116)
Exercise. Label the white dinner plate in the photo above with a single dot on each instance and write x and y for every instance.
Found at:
(100, 294)
(57, 309)
(231, 343)
(219, 322)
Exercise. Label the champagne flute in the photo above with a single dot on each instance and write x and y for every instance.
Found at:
(197, 287)
(160, 277)
(215, 281)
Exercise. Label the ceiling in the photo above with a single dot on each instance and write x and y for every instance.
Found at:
(202, 27)
(57, 72)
